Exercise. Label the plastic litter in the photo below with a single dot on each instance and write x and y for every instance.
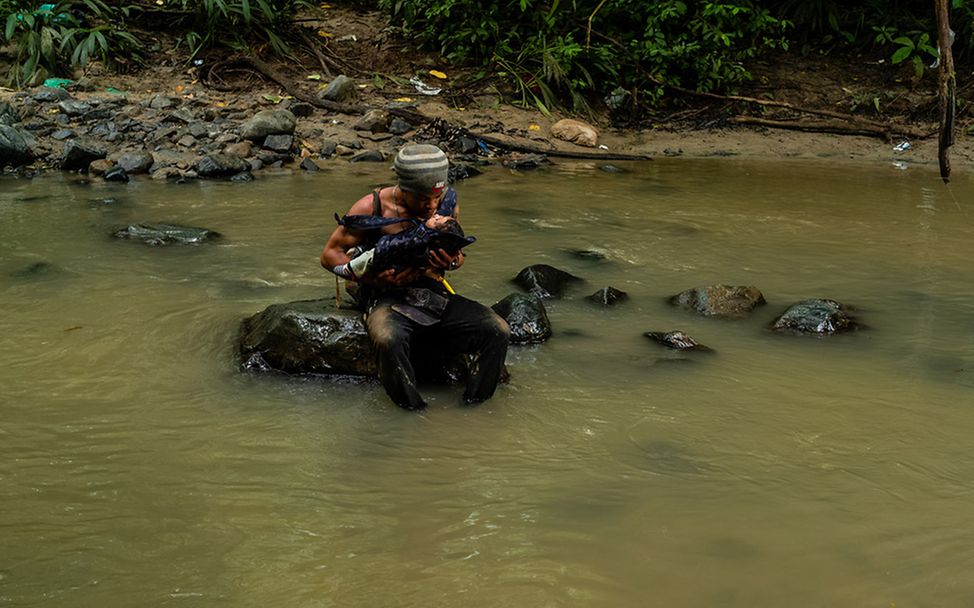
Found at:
(58, 82)
(603, 147)
(900, 165)
(903, 146)
(422, 88)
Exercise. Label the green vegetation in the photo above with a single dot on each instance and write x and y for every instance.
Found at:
(626, 52)
(581, 54)
(51, 38)
(582, 49)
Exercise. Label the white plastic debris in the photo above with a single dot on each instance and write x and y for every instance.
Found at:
(899, 165)
(603, 147)
(903, 146)
(423, 88)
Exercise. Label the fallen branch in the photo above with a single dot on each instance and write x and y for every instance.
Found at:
(289, 87)
(519, 147)
(831, 126)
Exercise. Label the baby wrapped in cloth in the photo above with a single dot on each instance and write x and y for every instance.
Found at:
(408, 248)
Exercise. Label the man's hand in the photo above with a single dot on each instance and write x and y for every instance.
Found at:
(439, 258)
(393, 278)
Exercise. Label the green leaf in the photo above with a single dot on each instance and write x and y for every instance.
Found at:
(101, 42)
(47, 46)
(11, 26)
(904, 41)
(900, 55)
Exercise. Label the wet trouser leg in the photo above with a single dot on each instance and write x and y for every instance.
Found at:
(392, 335)
(466, 327)
(471, 328)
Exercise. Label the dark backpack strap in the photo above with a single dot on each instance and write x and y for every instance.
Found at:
(376, 203)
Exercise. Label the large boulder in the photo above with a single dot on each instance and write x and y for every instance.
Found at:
(526, 316)
(312, 337)
(13, 147)
(545, 281)
(307, 337)
(726, 301)
(815, 317)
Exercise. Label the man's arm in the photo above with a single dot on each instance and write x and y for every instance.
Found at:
(341, 240)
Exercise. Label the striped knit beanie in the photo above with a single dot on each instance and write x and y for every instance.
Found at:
(422, 169)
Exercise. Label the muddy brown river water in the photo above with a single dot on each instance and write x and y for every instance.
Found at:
(138, 467)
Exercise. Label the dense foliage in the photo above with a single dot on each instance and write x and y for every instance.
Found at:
(578, 53)
(52, 37)
(626, 51)
(620, 49)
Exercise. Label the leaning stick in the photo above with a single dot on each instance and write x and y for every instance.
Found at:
(948, 89)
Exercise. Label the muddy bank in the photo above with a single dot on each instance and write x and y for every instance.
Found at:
(179, 129)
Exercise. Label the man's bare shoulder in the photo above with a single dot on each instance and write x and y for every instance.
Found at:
(362, 206)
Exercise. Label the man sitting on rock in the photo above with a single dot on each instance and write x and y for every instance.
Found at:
(407, 303)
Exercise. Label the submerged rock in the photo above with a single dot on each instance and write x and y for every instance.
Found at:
(526, 316)
(608, 296)
(166, 234)
(116, 174)
(592, 255)
(676, 340)
(815, 317)
(36, 270)
(728, 301)
(545, 281)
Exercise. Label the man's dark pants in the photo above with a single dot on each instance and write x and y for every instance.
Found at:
(465, 327)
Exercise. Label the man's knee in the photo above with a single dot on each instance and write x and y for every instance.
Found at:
(498, 329)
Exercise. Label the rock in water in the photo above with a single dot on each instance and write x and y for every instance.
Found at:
(307, 337)
(166, 234)
(817, 317)
(728, 301)
(526, 316)
(608, 296)
(545, 281)
(676, 340)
